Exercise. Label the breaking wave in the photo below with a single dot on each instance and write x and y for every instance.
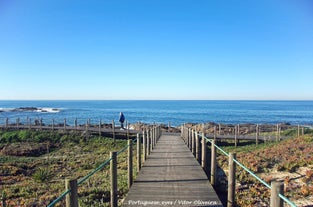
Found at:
(31, 109)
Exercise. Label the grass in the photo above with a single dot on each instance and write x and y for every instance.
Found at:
(37, 181)
(273, 161)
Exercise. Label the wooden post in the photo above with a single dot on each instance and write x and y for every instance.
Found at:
(100, 123)
(215, 133)
(219, 129)
(138, 152)
(148, 141)
(144, 145)
(257, 134)
(198, 156)
(169, 126)
(72, 197)
(182, 132)
(186, 134)
(127, 129)
(17, 123)
(113, 170)
(113, 128)
(75, 124)
(276, 189)
(193, 141)
(64, 125)
(190, 139)
(154, 135)
(231, 180)
(238, 128)
(203, 157)
(40, 124)
(238, 134)
(160, 132)
(52, 124)
(235, 136)
(187, 137)
(279, 133)
(298, 130)
(6, 123)
(87, 125)
(151, 140)
(302, 131)
(30, 123)
(213, 163)
(130, 163)
(277, 127)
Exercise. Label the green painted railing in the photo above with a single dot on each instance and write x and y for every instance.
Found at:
(250, 172)
(100, 167)
(154, 136)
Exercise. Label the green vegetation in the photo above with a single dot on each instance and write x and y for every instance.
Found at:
(36, 179)
(34, 165)
(37, 136)
(42, 175)
(290, 161)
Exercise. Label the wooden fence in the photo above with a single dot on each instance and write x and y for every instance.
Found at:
(257, 132)
(145, 142)
(197, 143)
(100, 128)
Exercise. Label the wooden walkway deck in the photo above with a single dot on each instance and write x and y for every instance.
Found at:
(171, 176)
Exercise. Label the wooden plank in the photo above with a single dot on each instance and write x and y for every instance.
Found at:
(171, 176)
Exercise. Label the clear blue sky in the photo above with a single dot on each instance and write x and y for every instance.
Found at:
(156, 49)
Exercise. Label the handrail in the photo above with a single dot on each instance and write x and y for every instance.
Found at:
(250, 172)
(100, 167)
(59, 198)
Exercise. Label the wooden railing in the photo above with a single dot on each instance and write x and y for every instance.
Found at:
(197, 142)
(100, 128)
(145, 142)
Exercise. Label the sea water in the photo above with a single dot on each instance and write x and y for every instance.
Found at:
(163, 112)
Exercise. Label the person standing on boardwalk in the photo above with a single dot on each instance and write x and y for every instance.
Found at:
(122, 119)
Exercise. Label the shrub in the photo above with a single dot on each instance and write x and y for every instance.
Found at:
(70, 138)
(290, 132)
(24, 135)
(9, 137)
(42, 175)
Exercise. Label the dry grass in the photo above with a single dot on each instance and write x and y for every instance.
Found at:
(37, 181)
(289, 161)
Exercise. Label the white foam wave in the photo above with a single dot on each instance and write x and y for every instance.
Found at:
(6, 109)
(48, 110)
(31, 109)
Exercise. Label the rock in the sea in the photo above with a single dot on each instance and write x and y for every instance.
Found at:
(21, 109)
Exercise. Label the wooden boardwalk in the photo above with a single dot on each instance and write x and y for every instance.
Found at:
(171, 176)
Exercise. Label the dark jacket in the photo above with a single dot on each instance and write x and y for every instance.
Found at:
(122, 118)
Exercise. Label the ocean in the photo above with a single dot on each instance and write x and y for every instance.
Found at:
(162, 112)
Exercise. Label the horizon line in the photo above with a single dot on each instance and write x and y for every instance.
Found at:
(156, 99)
